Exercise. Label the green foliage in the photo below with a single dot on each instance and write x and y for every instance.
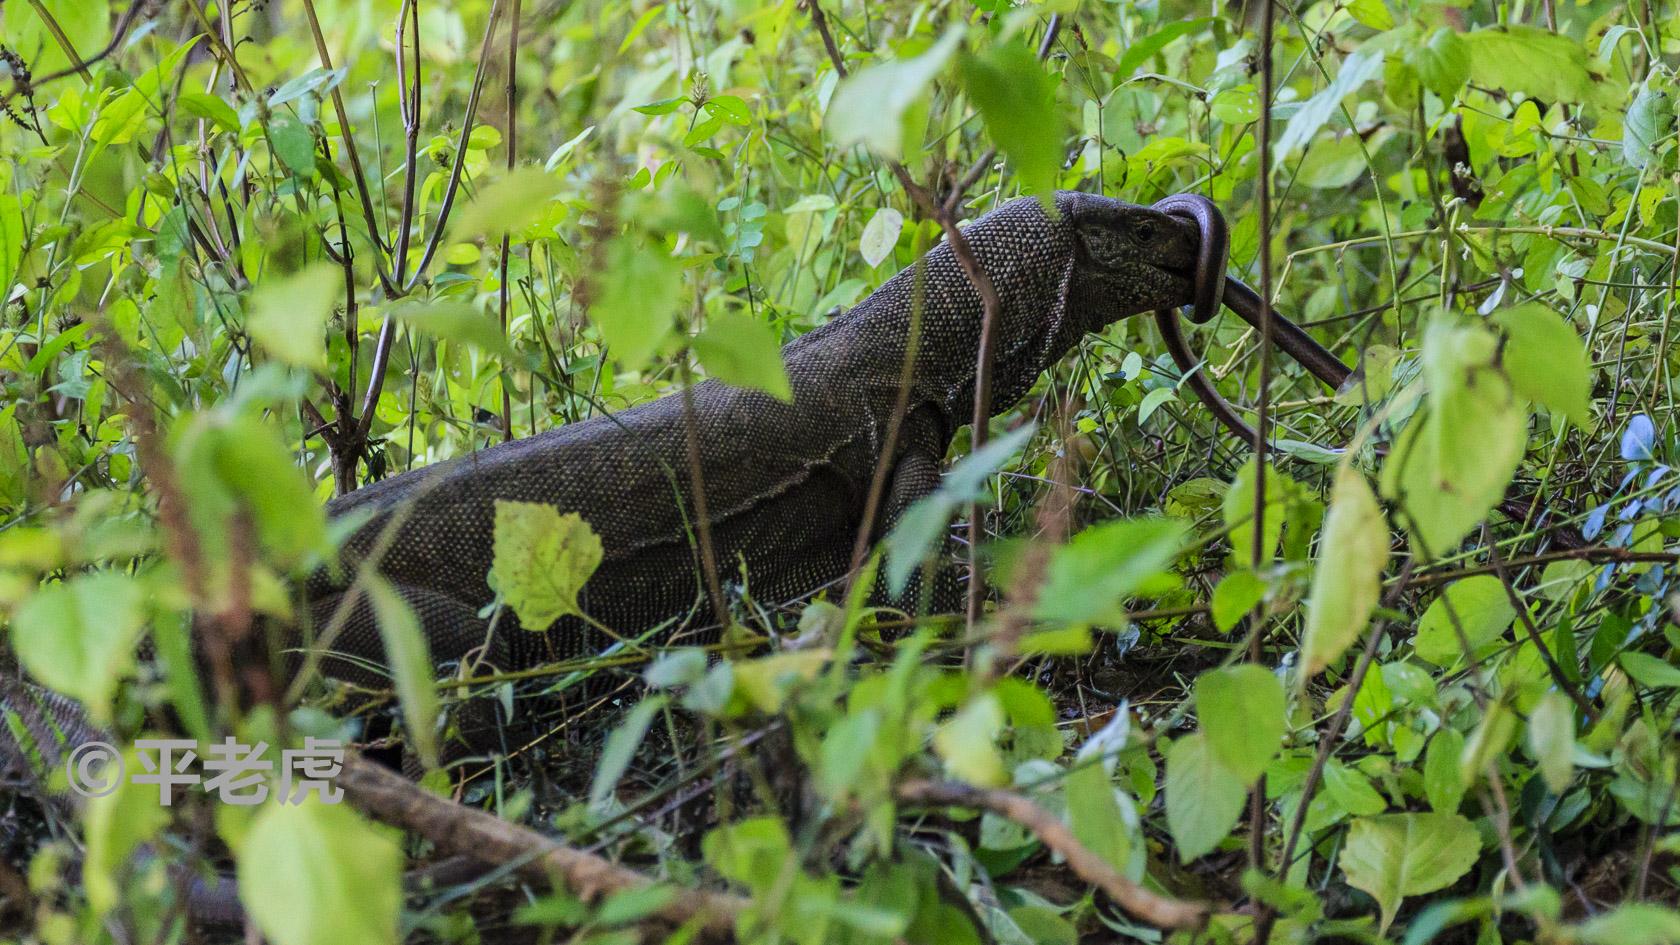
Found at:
(224, 302)
(1399, 855)
(316, 872)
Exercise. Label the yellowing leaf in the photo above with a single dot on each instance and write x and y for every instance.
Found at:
(541, 560)
(741, 351)
(288, 317)
(1399, 855)
(1241, 709)
(1348, 579)
(313, 872)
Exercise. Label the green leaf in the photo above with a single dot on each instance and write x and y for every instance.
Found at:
(1649, 121)
(541, 560)
(1442, 783)
(1482, 610)
(1650, 671)
(1488, 743)
(315, 872)
(1238, 510)
(1359, 67)
(880, 236)
(1204, 798)
(1141, 50)
(1235, 597)
(1399, 855)
(115, 825)
(1372, 13)
(968, 743)
(288, 316)
(1351, 790)
(293, 144)
(1551, 739)
(619, 749)
(741, 350)
(86, 25)
(1348, 579)
(1451, 466)
(871, 105)
(1537, 62)
(1017, 102)
(638, 296)
(78, 636)
(1242, 711)
(1546, 361)
(209, 107)
(455, 321)
(12, 237)
(751, 852)
(1442, 62)
(410, 662)
(506, 206)
(1090, 576)
(1096, 817)
(1634, 923)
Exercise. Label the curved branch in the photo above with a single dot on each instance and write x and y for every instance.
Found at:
(390, 798)
(1152, 907)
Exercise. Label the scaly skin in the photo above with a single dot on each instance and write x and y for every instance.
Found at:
(786, 484)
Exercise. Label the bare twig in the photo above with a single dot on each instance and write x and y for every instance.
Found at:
(356, 172)
(702, 512)
(1262, 411)
(512, 141)
(1160, 911)
(392, 799)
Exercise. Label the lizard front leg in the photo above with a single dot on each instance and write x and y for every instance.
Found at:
(915, 476)
(454, 634)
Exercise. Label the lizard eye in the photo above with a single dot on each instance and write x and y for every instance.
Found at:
(1144, 232)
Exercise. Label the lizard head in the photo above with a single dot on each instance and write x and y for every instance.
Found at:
(1127, 260)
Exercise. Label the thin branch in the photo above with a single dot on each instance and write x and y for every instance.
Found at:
(463, 831)
(512, 137)
(702, 512)
(344, 128)
(1160, 911)
(441, 226)
(1262, 412)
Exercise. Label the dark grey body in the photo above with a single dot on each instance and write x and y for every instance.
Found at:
(786, 484)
